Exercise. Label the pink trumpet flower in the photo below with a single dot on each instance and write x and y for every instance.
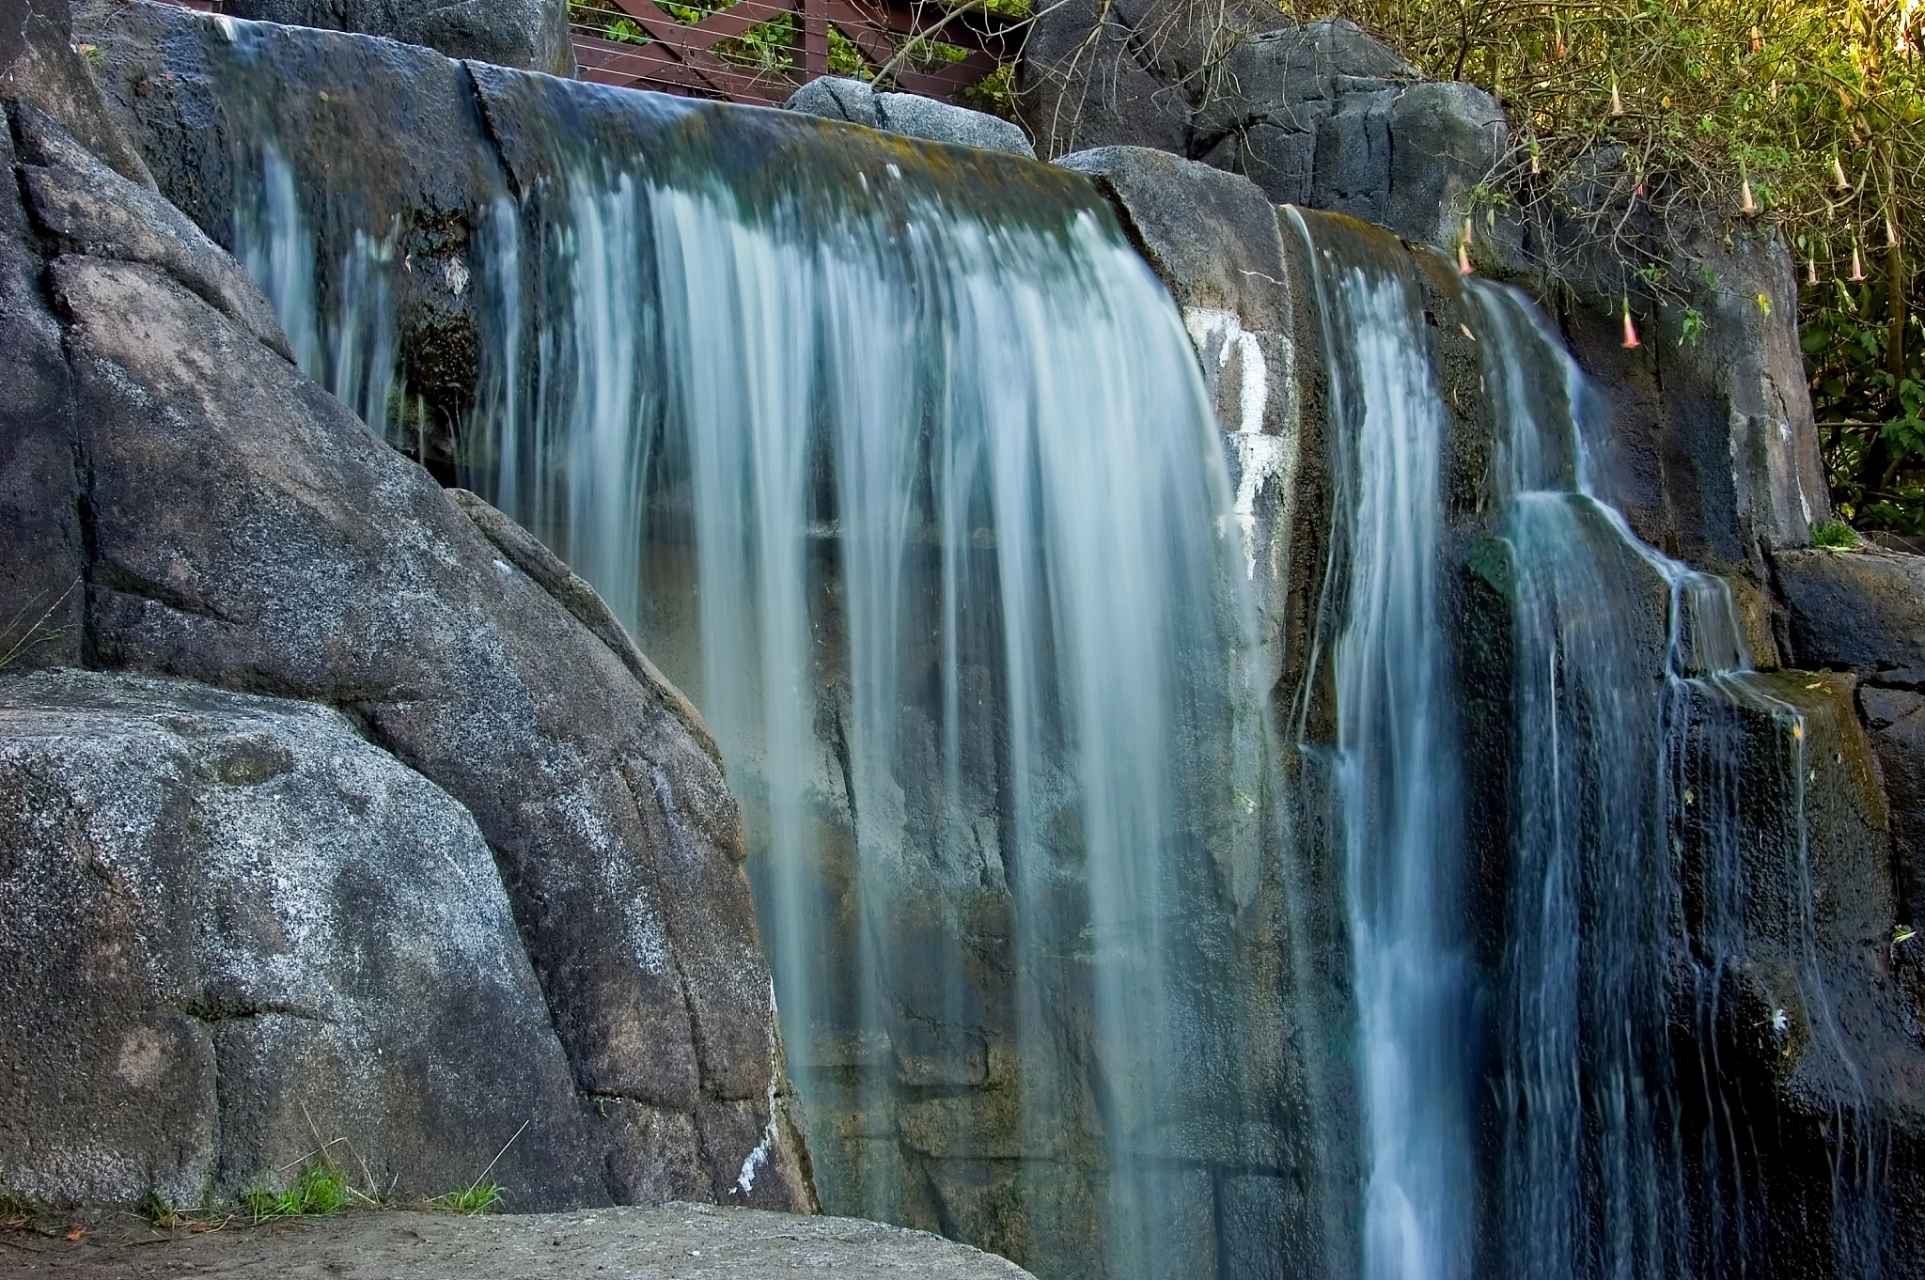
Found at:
(1857, 268)
(1630, 330)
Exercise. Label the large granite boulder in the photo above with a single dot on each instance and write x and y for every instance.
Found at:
(910, 114)
(237, 930)
(1318, 114)
(176, 498)
(530, 34)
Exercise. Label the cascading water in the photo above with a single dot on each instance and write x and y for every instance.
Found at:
(1635, 839)
(918, 494)
(1399, 795)
(897, 459)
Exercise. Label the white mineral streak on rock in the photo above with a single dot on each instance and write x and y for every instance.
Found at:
(1220, 339)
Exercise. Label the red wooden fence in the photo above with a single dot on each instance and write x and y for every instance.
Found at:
(681, 57)
(672, 56)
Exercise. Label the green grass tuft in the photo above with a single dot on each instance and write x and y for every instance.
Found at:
(481, 1197)
(317, 1192)
(1834, 535)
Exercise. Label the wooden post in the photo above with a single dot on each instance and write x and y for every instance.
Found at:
(815, 39)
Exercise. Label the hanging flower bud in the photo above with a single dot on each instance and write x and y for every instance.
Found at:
(1463, 260)
(1561, 49)
(1537, 163)
(1757, 40)
(1838, 174)
(1749, 206)
(1617, 100)
(1857, 268)
(1891, 232)
(1630, 330)
(1811, 271)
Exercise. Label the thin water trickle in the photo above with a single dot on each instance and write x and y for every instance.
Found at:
(1400, 795)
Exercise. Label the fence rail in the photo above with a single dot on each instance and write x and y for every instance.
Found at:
(928, 48)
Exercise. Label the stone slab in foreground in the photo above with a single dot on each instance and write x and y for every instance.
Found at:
(665, 1242)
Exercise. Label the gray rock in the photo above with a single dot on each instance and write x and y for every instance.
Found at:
(530, 34)
(926, 118)
(855, 101)
(672, 1242)
(1083, 83)
(232, 523)
(1445, 139)
(40, 63)
(89, 209)
(1897, 721)
(838, 98)
(233, 925)
(1860, 611)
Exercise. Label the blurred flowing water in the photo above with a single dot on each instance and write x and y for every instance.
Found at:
(898, 460)
(921, 499)
(1525, 1111)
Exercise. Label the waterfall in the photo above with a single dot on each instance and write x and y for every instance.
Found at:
(898, 459)
(1525, 1111)
(1399, 795)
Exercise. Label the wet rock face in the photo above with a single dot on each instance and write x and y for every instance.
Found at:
(207, 104)
(1861, 611)
(529, 34)
(176, 498)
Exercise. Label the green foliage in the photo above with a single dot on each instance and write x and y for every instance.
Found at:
(481, 1197)
(1834, 535)
(846, 60)
(320, 1190)
(1803, 116)
(627, 31)
(995, 93)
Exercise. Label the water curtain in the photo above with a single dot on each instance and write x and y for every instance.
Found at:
(920, 498)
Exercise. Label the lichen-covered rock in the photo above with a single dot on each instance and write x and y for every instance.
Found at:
(234, 925)
(910, 114)
(530, 34)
